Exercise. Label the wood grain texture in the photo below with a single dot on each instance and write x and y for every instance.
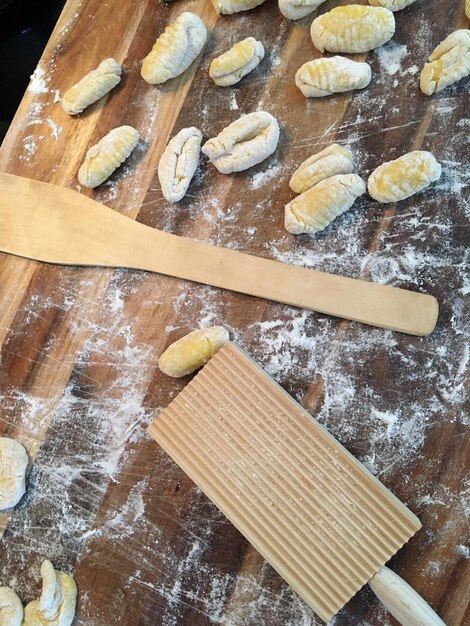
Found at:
(315, 514)
(78, 377)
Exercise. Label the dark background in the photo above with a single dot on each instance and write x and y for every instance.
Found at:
(25, 27)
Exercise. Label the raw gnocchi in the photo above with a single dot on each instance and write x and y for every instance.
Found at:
(107, 155)
(449, 63)
(331, 161)
(56, 606)
(227, 7)
(179, 162)
(240, 60)
(175, 49)
(328, 75)
(13, 464)
(192, 351)
(297, 9)
(352, 28)
(244, 143)
(315, 209)
(11, 609)
(92, 87)
(399, 179)
(393, 5)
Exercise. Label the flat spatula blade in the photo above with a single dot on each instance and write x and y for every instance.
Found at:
(304, 502)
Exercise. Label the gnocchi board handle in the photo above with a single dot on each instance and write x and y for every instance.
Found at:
(59, 225)
(402, 601)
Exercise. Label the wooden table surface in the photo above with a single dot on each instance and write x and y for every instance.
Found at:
(79, 380)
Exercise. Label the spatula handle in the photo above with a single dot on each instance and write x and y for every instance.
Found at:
(402, 601)
(357, 300)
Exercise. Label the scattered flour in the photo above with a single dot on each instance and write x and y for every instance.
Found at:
(39, 82)
(233, 102)
(259, 179)
(391, 56)
(42, 97)
(463, 551)
(95, 430)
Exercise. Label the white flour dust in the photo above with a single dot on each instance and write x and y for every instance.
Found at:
(391, 56)
(382, 394)
(40, 113)
(260, 179)
(233, 102)
(39, 82)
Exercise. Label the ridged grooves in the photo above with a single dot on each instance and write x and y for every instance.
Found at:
(400, 517)
(287, 472)
(359, 492)
(324, 480)
(321, 520)
(249, 491)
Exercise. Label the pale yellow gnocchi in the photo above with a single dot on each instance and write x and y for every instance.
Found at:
(399, 179)
(242, 58)
(244, 143)
(107, 155)
(352, 28)
(449, 63)
(315, 209)
(56, 605)
(175, 50)
(179, 162)
(13, 465)
(329, 75)
(393, 5)
(227, 7)
(297, 9)
(11, 608)
(192, 351)
(467, 8)
(92, 87)
(331, 161)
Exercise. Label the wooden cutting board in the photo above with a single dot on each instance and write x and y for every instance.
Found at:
(78, 376)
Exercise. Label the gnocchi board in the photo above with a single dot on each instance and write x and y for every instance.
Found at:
(310, 508)
(79, 347)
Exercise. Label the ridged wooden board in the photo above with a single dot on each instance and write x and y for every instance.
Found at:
(79, 347)
(304, 502)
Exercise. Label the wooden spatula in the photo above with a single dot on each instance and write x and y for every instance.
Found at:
(58, 225)
(306, 504)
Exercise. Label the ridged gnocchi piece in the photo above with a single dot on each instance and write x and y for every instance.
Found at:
(92, 87)
(331, 161)
(107, 155)
(297, 9)
(227, 7)
(11, 609)
(352, 28)
(467, 8)
(56, 606)
(315, 209)
(328, 75)
(176, 48)
(229, 68)
(449, 63)
(13, 464)
(179, 162)
(392, 5)
(192, 351)
(244, 143)
(399, 179)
